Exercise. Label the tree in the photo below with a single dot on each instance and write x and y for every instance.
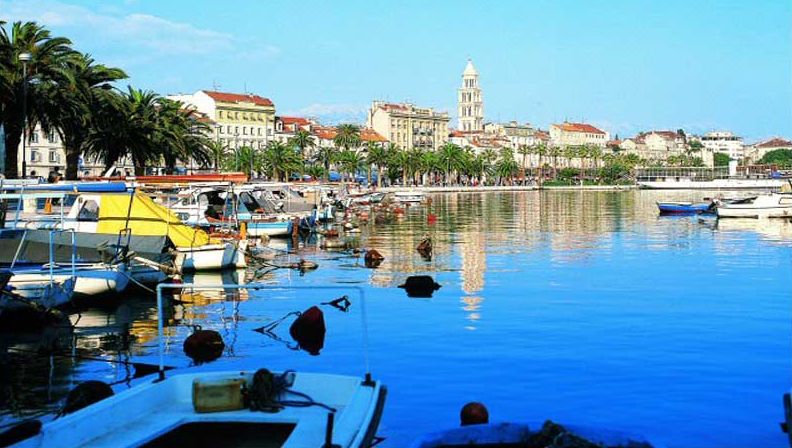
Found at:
(279, 160)
(506, 166)
(378, 156)
(525, 151)
(325, 155)
(45, 68)
(777, 157)
(75, 104)
(347, 136)
(303, 140)
(218, 153)
(350, 162)
(451, 158)
(721, 159)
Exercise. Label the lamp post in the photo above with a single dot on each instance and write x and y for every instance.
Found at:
(24, 58)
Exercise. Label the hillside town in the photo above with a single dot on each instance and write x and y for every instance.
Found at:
(249, 120)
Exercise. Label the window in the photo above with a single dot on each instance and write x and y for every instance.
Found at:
(236, 130)
(228, 130)
(35, 156)
(33, 137)
(259, 131)
(269, 131)
(220, 114)
(54, 157)
(52, 137)
(89, 212)
(244, 130)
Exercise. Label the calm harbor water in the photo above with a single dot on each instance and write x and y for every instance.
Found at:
(581, 307)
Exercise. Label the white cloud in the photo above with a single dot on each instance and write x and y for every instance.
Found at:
(134, 32)
(332, 113)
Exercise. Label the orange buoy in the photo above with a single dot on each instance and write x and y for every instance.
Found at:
(309, 330)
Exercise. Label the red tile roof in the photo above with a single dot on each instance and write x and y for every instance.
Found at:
(394, 106)
(366, 134)
(775, 143)
(299, 121)
(542, 135)
(238, 98)
(579, 127)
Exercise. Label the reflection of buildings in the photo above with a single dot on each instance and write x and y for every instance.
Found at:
(474, 261)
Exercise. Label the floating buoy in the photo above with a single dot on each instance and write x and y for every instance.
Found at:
(309, 330)
(431, 219)
(420, 286)
(335, 243)
(373, 258)
(86, 394)
(204, 345)
(305, 265)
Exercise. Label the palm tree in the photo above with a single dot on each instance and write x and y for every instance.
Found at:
(75, 104)
(541, 151)
(302, 139)
(347, 136)
(451, 158)
(378, 156)
(400, 161)
(315, 171)
(554, 153)
(129, 124)
(182, 135)
(324, 155)
(279, 160)
(45, 68)
(218, 153)
(525, 151)
(430, 163)
(569, 153)
(350, 162)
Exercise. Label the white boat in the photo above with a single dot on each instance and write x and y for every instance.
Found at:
(409, 196)
(168, 413)
(683, 183)
(37, 289)
(773, 205)
(91, 279)
(210, 257)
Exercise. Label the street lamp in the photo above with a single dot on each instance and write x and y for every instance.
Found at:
(24, 58)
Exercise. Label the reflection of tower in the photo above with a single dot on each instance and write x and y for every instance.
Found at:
(474, 261)
(470, 104)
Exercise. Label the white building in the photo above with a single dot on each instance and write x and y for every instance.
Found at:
(725, 142)
(517, 134)
(409, 126)
(470, 103)
(577, 134)
(240, 119)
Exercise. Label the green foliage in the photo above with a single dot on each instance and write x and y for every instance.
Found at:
(778, 157)
(568, 173)
(721, 159)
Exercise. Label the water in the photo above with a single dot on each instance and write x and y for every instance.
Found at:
(585, 308)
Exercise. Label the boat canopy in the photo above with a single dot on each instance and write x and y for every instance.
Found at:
(144, 217)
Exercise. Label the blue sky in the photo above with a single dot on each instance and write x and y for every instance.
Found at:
(623, 65)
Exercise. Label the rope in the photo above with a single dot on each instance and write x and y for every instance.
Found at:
(138, 283)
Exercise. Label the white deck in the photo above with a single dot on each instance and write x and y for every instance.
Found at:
(143, 413)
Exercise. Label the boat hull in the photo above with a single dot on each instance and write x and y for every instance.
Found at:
(211, 257)
(678, 208)
(37, 290)
(716, 184)
(736, 211)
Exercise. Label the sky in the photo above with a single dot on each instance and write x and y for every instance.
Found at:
(625, 66)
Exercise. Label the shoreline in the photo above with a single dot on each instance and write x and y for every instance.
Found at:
(491, 188)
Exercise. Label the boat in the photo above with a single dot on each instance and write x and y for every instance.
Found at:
(409, 196)
(713, 184)
(90, 279)
(177, 411)
(118, 216)
(36, 290)
(773, 205)
(516, 435)
(685, 208)
(224, 408)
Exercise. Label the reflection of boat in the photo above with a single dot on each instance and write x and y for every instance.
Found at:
(776, 229)
(516, 435)
(689, 208)
(408, 196)
(208, 409)
(773, 205)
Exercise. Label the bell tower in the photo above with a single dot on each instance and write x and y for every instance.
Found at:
(470, 104)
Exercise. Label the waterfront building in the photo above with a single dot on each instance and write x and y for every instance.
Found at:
(655, 145)
(409, 126)
(516, 134)
(325, 136)
(286, 127)
(470, 104)
(577, 134)
(725, 142)
(45, 153)
(241, 119)
(756, 151)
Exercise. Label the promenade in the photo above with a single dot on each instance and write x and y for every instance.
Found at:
(493, 188)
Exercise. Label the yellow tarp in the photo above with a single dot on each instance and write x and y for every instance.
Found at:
(146, 218)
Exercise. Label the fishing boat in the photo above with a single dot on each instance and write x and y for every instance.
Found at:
(35, 290)
(773, 205)
(409, 196)
(685, 208)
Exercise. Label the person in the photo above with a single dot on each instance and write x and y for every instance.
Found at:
(474, 413)
(54, 176)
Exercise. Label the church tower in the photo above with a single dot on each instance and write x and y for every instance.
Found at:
(471, 106)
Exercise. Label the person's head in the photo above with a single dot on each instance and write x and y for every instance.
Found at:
(474, 413)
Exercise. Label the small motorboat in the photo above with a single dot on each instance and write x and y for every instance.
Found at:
(685, 208)
(212, 409)
(773, 205)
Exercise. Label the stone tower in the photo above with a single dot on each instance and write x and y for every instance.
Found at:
(471, 106)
